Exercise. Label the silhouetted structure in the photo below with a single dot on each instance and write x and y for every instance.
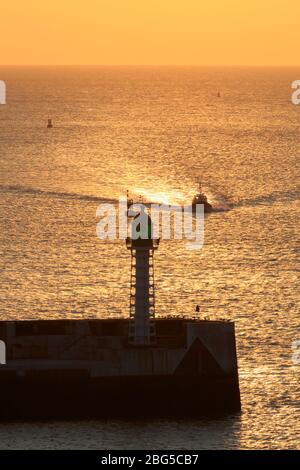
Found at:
(142, 288)
(133, 366)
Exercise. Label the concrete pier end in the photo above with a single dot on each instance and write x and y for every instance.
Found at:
(74, 368)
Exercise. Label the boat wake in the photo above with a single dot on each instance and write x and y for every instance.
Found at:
(222, 203)
(53, 194)
(269, 199)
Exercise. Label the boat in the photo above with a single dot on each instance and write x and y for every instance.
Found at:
(50, 124)
(201, 198)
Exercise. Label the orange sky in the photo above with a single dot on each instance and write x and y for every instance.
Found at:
(141, 32)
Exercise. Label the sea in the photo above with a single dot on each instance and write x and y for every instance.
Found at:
(156, 132)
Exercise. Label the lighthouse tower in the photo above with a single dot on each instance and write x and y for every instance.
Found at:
(142, 289)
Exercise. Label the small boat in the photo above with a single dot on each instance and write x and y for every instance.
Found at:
(201, 198)
(49, 125)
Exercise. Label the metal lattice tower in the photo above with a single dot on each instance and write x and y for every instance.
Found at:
(142, 291)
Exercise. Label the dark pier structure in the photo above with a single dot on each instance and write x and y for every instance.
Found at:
(131, 367)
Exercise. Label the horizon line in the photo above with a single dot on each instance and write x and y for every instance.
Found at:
(154, 65)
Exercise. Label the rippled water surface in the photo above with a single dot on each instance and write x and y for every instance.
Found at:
(155, 132)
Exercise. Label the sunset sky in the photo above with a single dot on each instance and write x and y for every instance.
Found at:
(142, 32)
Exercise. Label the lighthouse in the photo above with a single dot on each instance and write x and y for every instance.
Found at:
(131, 367)
(142, 287)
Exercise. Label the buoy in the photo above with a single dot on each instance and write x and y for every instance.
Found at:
(50, 125)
